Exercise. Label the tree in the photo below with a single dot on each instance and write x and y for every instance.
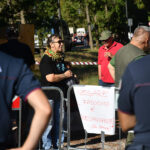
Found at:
(138, 10)
(36, 12)
(103, 14)
(89, 25)
(72, 13)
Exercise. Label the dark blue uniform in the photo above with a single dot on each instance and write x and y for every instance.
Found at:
(15, 79)
(135, 97)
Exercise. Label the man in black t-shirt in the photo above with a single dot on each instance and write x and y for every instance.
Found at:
(54, 73)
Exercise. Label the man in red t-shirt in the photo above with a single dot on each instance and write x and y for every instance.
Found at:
(105, 53)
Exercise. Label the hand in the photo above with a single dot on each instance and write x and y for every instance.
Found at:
(68, 74)
(108, 54)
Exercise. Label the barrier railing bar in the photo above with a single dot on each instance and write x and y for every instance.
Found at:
(19, 123)
(86, 136)
(103, 139)
(68, 116)
(20, 120)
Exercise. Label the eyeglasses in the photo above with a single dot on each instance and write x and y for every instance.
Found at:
(106, 41)
(59, 41)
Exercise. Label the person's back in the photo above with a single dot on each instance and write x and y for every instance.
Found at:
(17, 78)
(123, 57)
(17, 49)
(132, 51)
(134, 98)
(9, 77)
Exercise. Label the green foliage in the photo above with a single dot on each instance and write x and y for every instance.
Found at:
(37, 12)
(104, 14)
(73, 13)
(138, 10)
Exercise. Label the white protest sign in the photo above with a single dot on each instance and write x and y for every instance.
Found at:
(97, 108)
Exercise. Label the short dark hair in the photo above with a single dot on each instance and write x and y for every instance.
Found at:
(51, 38)
(12, 32)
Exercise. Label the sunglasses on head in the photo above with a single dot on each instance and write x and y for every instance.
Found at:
(59, 41)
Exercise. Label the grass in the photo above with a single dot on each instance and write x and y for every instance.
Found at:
(87, 74)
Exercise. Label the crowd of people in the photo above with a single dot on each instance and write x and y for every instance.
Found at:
(127, 67)
(121, 66)
(16, 78)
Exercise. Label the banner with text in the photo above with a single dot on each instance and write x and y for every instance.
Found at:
(97, 108)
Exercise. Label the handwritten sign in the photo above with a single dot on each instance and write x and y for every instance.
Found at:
(97, 108)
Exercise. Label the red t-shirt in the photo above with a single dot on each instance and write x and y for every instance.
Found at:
(103, 61)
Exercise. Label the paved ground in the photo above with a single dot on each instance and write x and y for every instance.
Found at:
(93, 142)
(116, 142)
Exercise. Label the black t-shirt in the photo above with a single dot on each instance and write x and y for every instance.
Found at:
(49, 66)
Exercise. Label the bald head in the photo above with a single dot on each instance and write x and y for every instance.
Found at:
(141, 37)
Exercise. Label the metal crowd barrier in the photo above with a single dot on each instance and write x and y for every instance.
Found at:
(18, 107)
(86, 134)
(52, 88)
(68, 130)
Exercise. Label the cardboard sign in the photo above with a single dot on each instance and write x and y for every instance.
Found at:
(97, 108)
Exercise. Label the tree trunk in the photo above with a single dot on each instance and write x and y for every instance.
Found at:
(22, 17)
(61, 26)
(96, 33)
(106, 9)
(89, 27)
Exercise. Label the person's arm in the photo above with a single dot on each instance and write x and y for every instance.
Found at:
(99, 72)
(108, 54)
(42, 113)
(111, 70)
(127, 121)
(59, 77)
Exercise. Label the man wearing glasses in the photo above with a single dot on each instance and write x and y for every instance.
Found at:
(105, 54)
(54, 73)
